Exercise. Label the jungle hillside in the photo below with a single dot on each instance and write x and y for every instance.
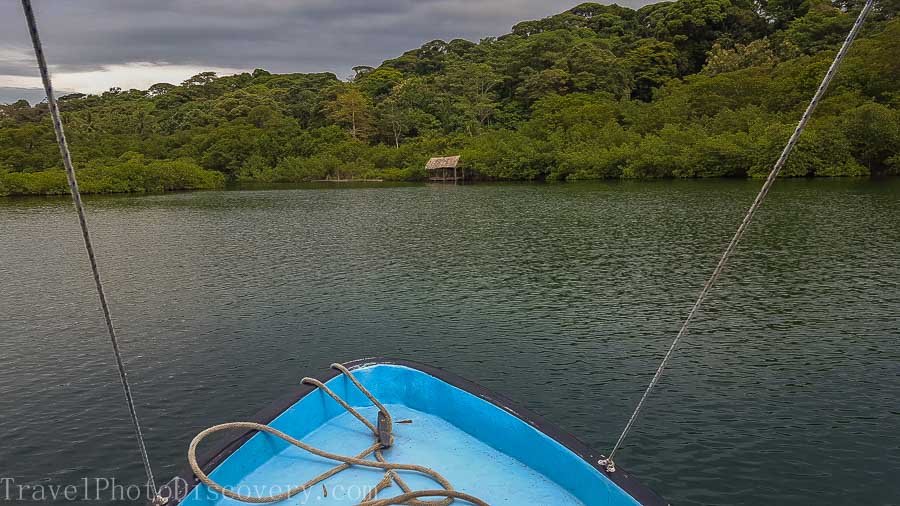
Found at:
(683, 89)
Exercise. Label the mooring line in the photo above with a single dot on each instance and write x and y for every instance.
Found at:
(88, 245)
(763, 192)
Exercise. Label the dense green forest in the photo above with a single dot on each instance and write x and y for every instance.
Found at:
(691, 88)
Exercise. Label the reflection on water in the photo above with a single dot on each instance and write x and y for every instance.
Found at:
(561, 296)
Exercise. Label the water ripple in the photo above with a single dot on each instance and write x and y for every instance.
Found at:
(563, 297)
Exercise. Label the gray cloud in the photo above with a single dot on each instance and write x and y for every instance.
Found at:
(279, 35)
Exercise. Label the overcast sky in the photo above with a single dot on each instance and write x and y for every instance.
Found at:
(95, 44)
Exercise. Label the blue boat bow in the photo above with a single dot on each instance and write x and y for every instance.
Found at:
(481, 442)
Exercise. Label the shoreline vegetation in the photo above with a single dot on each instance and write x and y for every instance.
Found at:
(684, 89)
(131, 173)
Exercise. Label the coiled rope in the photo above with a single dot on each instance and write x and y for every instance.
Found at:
(383, 439)
(763, 192)
(88, 245)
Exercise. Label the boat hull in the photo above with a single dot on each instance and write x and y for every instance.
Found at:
(483, 443)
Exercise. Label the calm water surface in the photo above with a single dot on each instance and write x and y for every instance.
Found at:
(787, 390)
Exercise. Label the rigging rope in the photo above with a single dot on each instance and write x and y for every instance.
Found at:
(88, 245)
(383, 439)
(729, 250)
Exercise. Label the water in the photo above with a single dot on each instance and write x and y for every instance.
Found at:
(564, 297)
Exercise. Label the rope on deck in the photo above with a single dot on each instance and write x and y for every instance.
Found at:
(383, 439)
(729, 250)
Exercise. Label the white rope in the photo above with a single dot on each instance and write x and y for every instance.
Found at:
(383, 439)
(770, 181)
(88, 245)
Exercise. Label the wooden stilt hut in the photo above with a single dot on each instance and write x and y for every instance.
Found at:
(445, 170)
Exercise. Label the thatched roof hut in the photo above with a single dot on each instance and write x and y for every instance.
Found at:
(444, 162)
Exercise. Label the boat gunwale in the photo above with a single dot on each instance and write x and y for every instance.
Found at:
(185, 482)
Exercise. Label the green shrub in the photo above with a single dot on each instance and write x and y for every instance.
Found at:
(131, 173)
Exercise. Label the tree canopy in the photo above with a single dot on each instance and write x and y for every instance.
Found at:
(689, 88)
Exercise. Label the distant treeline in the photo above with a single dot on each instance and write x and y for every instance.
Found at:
(692, 88)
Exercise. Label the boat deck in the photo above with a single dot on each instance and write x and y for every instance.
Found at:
(484, 449)
(430, 441)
